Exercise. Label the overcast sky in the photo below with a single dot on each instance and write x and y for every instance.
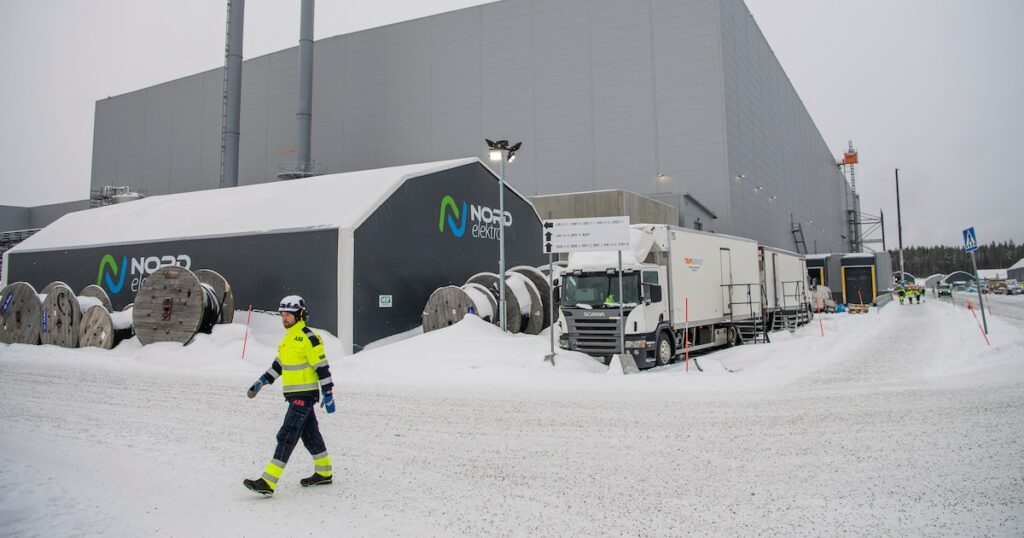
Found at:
(933, 87)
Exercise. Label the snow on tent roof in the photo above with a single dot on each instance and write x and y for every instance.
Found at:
(858, 255)
(326, 202)
(1018, 265)
(990, 274)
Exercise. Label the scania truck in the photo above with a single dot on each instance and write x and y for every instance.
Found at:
(679, 286)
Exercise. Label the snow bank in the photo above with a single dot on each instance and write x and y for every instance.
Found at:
(475, 354)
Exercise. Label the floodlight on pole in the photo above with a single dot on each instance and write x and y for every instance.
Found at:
(502, 152)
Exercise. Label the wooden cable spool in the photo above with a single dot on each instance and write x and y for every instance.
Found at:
(531, 308)
(513, 314)
(487, 303)
(172, 305)
(96, 292)
(103, 329)
(540, 281)
(50, 286)
(20, 314)
(222, 288)
(448, 305)
(62, 314)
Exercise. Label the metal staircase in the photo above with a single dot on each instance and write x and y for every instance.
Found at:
(753, 330)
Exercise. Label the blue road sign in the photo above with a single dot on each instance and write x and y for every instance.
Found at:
(970, 240)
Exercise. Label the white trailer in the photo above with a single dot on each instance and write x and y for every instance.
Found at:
(679, 285)
(784, 281)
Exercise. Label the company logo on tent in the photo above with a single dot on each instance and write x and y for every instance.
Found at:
(449, 202)
(108, 262)
(141, 267)
(486, 221)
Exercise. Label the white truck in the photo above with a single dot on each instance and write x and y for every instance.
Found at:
(678, 285)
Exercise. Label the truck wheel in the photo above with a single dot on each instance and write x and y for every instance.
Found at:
(663, 349)
(732, 337)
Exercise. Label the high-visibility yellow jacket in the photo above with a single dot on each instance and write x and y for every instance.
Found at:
(301, 363)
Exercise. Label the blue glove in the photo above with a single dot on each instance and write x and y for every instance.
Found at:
(255, 388)
(328, 402)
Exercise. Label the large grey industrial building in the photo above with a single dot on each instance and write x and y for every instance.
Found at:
(677, 100)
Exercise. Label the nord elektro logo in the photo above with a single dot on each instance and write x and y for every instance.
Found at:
(483, 222)
(113, 275)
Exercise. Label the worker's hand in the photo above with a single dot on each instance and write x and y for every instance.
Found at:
(254, 389)
(328, 402)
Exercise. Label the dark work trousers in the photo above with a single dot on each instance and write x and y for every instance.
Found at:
(299, 421)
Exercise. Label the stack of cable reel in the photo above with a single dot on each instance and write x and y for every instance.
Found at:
(527, 301)
(62, 313)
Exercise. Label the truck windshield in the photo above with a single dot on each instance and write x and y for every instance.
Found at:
(597, 289)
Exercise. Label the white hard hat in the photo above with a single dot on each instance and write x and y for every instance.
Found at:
(293, 304)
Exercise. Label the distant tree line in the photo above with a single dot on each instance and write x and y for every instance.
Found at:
(925, 261)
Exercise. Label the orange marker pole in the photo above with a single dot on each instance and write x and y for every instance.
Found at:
(822, 326)
(245, 341)
(686, 333)
(979, 326)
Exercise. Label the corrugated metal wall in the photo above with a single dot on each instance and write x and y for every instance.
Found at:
(605, 94)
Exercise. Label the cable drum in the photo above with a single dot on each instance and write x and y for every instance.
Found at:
(20, 314)
(61, 315)
(482, 299)
(225, 296)
(531, 311)
(92, 290)
(540, 282)
(172, 305)
(446, 307)
(211, 309)
(103, 329)
(513, 316)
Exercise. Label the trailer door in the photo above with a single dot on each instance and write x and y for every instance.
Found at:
(776, 280)
(726, 259)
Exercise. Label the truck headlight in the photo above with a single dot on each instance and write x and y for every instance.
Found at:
(635, 344)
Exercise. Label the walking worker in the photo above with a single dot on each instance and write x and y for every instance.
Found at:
(302, 366)
(901, 293)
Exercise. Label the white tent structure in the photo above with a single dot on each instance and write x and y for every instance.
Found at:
(365, 248)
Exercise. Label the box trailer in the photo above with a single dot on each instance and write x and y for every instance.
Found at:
(365, 249)
(784, 281)
(679, 285)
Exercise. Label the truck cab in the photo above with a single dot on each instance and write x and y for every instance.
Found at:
(589, 315)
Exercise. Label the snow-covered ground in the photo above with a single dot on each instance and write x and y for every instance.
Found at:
(901, 421)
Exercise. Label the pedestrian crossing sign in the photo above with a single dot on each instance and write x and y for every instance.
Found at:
(970, 240)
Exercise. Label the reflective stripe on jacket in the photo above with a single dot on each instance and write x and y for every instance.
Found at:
(301, 362)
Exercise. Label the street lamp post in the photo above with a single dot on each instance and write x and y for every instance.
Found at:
(502, 152)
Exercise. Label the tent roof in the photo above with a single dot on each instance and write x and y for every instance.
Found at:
(321, 202)
(1018, 265)
(991, 273)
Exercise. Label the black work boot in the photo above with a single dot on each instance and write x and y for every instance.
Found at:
(316, 480)
(259, 486)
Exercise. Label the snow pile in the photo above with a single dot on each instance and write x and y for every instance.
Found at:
(474, 353)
